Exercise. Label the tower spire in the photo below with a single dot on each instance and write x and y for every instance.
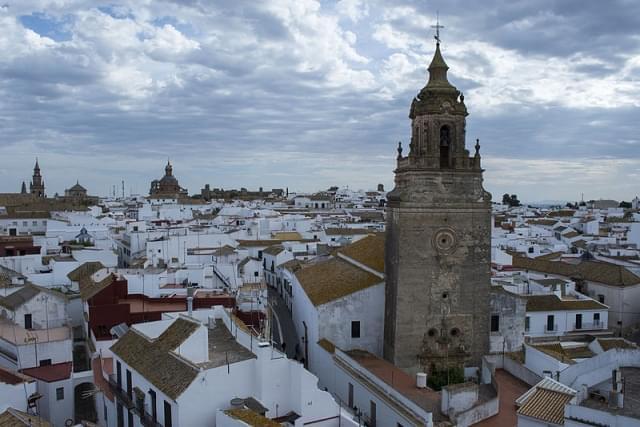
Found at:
(437, 27)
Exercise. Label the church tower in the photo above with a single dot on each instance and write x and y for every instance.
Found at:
(438, 241)
(37, 183)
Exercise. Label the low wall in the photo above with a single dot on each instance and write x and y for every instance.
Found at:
(478, 413)
(514, 368)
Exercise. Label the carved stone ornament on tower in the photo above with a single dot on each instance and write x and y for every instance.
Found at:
(437, 255)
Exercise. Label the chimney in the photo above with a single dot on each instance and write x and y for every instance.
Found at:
(421, 380)
(616, 397)
(190, 300)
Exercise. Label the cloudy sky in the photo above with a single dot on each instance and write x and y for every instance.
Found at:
(308, 94)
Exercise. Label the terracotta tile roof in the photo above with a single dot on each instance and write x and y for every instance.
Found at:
(553, 303)
(562, 213)
(50, 373)
(594, 271)
(154, 359)
(85, 269)
(346, 231)
(253, 419)
(14, 418)
(543, 221)
(368, 251)
(273, 250)
(258, 243)
(13, 378)
(546, 405)
(333, 279)
(547, 383)
(19, 297)
(327, 345)
(224, 250)
(609, 343)
(89, 287)
(293, 265)
(287, 235)
(565, 354)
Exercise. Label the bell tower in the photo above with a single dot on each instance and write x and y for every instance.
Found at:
(37, 183)
(438, 238)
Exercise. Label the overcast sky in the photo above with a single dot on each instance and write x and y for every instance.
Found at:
(309, 94)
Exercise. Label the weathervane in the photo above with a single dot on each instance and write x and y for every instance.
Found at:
(437, 27)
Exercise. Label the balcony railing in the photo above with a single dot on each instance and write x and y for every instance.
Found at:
(135, 407)
(588, 326)
(120, 393)
(547, 330)
(146, 419)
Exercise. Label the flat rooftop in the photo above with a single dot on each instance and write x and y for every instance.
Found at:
(427, 399)
(631, 402)
(167, 304)
(17, 335)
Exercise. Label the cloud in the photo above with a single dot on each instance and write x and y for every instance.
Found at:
(306, 94)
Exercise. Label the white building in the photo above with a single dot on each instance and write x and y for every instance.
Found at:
(185, 370)
(341, 299)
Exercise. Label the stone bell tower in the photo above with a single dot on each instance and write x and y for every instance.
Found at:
(437, 255)
(36, 186)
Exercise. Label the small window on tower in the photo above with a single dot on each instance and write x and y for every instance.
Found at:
(445, 146)
(495, 323)
(355, 329)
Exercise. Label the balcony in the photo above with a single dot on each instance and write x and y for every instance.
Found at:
(584, 326)
(146, 419)
(120, 393)
(136, 407)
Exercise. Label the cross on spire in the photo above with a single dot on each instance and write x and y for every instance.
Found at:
(437, 27)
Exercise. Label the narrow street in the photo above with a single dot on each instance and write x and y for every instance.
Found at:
(282, 328)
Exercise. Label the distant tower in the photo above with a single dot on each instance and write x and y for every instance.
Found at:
(438, 239)
(37, 183)
(23, 190)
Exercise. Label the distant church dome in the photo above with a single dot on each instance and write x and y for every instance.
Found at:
(168, 185)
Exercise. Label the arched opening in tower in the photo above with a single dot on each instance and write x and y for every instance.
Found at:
(445, 146)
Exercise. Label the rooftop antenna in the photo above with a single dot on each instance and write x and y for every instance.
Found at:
(437, 27)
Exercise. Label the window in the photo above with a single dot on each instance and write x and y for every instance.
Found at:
(167, 414)
(259, 254)
(527, 323)
(445, 146)
(495, 323)
(120, 415)
(45, 362)
(372, 415)
(551, 323)
(355, 329)
(350, 398)
(130, 418)
(596, 319)
(154, 410)
(34, 222)
(60, 393)
(119, 374)
(106, 418)
(530, 249)
(129, 385)
(28, 323)
(25, 223)
(601, 298)
(578, 321)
